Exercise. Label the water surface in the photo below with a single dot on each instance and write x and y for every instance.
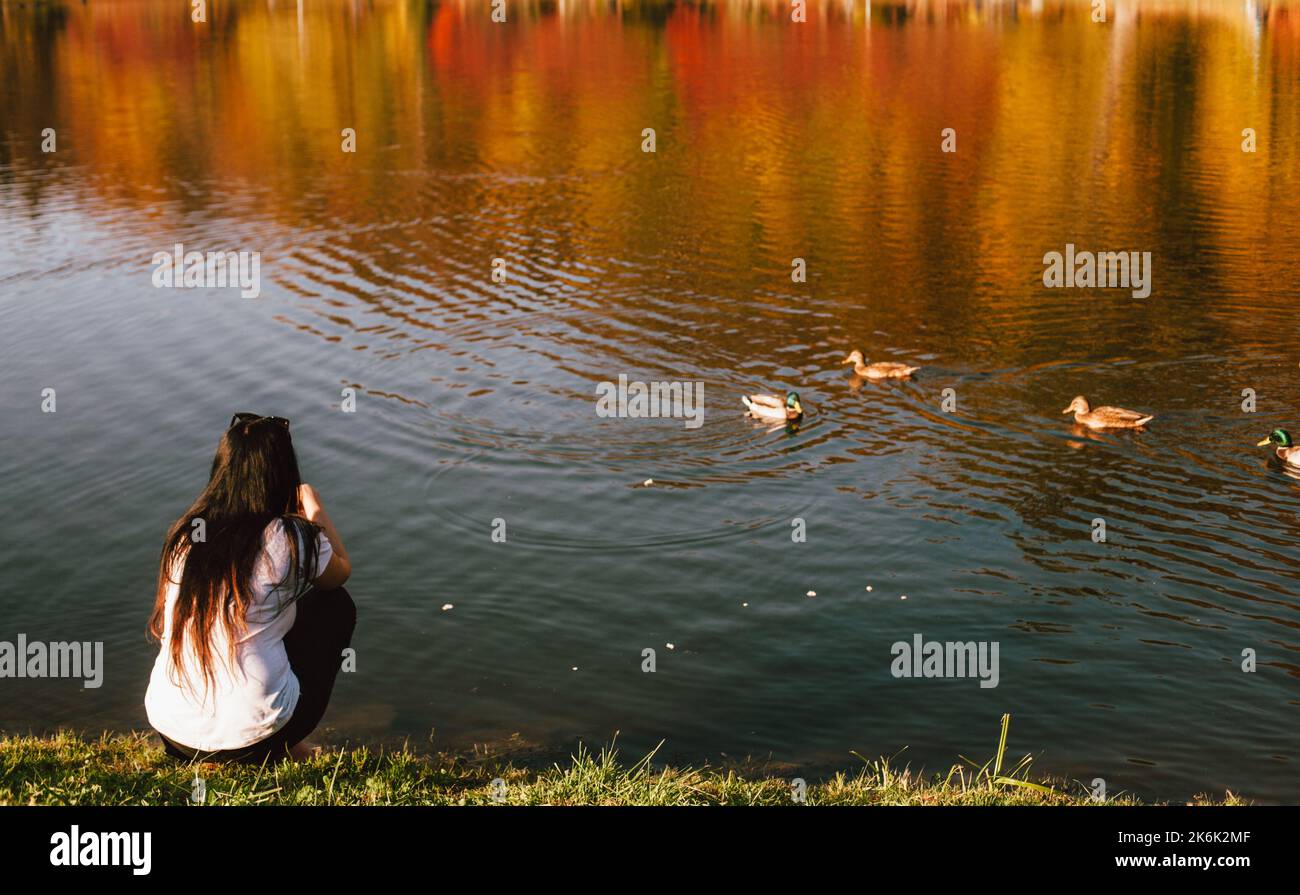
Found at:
(476, 399)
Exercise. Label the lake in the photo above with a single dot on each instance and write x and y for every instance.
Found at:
(799, 203)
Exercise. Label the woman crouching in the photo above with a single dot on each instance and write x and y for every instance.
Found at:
(250, 611)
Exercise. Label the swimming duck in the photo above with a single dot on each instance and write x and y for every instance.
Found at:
(880, 369)
(1106, 417)
(772, 407)
(1286, 451)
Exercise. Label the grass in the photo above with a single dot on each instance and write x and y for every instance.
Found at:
(131, 769)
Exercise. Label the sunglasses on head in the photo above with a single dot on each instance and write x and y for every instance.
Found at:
(240, 418)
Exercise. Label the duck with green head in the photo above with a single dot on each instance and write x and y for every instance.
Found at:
(1286, 451)
(773, 407)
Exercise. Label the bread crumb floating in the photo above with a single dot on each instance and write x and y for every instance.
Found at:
(670, 646)
(812, 593)
(647, 483)
(574, 668)
(868, 588)
(446, 606)
(744, 605)
(903, 597)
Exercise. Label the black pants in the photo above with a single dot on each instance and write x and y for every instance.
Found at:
(315, 643)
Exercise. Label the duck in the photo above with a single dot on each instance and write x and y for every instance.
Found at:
(1106, 417)
(880, 369)
(773, 407)
(1286, 451)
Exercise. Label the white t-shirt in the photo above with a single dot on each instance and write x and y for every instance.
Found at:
(255, 698)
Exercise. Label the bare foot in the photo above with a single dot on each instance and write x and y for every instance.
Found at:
(304, 750)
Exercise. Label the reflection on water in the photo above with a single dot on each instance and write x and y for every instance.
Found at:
(775, 141)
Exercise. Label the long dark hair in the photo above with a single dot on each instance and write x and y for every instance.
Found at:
(254, 481)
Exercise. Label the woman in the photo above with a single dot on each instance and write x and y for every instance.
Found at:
(250, 611)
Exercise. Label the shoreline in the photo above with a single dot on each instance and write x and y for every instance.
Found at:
(131, 769)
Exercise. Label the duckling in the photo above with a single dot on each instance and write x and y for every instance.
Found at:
(1106, 417)
(1286, 451)
(772, 407)
(880, 369)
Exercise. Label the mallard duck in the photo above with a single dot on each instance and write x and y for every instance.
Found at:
(772, 407)
(1286, 451)
(880, 369)
(1106, 417)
